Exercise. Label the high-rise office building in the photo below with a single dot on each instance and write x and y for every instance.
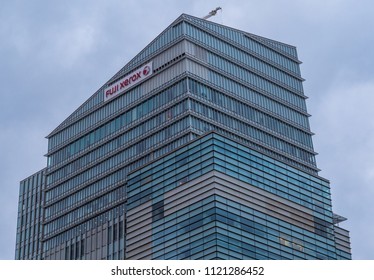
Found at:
(30, 217)
(199, 148)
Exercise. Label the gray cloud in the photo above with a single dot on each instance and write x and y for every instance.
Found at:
(346, 144)
(55, 54)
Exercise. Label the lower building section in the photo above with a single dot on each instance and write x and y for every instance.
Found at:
(212, 198)
(29, 244)
(218, 217)
(343, 243)
(106, 241)
(103, 238)
(217, 199)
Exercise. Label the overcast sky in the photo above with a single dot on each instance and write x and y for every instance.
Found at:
(56, 54)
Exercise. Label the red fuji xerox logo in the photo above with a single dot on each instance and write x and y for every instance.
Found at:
(128, 81)
(146, 70)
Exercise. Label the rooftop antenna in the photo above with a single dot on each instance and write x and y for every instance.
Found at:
(212, 13)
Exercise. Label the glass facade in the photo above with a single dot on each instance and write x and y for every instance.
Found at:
(190, 222)
(30, 217)
(205, 78)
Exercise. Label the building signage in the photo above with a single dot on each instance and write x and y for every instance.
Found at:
(128, 81)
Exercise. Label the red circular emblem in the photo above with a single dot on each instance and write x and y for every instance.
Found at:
(146, 70)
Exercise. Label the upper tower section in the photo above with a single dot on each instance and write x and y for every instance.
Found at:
(245, 86)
